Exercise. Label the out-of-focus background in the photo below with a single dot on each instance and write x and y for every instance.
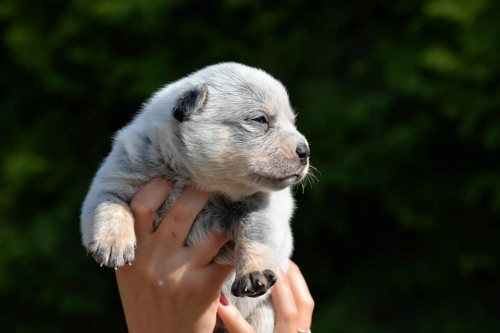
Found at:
(400, 100)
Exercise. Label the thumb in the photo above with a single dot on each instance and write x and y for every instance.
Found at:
(232, 318)
(217, 274)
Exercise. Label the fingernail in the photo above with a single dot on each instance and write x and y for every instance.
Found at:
(223, 300)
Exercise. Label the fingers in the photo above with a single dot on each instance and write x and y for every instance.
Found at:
(179, 218)
(287, 316)
(217, 274)
(146, 202)
(301, 295)
(206, 251)
(232, 318)
(203, 255)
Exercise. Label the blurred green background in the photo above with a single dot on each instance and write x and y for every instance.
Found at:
(399, 99)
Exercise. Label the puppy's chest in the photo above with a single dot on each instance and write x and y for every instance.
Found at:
(228, 216)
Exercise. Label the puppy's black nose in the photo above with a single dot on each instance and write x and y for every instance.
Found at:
(303, 152)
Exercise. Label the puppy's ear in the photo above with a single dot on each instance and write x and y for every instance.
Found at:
(190, 101)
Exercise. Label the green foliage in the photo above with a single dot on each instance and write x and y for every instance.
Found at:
(399, 101)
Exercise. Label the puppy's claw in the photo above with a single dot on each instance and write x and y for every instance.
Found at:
(270, 276)
(112, 256)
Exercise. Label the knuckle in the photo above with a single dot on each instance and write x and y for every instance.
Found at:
(294, 269)
(307, 304)
(156, 279)
(291, 315)
(140, 210)
(151, 275)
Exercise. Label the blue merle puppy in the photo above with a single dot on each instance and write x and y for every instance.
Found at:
(227, 129)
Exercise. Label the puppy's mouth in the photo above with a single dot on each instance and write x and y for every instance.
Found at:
(290, 178)
(282, 182)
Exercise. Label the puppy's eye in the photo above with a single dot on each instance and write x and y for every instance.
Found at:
(260, 120)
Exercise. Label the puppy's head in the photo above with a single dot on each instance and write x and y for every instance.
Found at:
(236, 131)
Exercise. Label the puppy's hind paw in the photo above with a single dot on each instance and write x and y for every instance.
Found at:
(253, 284)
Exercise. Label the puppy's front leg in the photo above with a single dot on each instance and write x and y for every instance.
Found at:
(255, 260)
(108, 230)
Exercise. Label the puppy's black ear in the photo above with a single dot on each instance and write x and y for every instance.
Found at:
(190, 101)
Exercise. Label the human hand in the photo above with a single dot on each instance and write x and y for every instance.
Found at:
(171, 287)
(292, 301)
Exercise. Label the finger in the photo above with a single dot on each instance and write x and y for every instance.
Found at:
(204, 253)
(147, 201)
(179, 218)
(301, 295)
(217, 274)
(286, 310)
(232, 318)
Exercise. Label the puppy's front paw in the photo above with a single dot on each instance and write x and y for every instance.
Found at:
(112, 253)
(112, 242)
(253, 284)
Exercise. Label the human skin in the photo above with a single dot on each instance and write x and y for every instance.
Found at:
(174, 288)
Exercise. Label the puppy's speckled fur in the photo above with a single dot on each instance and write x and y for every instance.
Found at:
(227, 129)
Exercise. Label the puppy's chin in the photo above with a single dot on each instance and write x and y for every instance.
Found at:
(278, 182)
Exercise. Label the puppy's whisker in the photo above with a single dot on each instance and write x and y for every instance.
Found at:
(313, 169)
(310, 178)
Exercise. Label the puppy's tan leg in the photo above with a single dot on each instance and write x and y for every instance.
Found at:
(254, 268)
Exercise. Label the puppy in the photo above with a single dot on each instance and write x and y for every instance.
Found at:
(227, 129)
